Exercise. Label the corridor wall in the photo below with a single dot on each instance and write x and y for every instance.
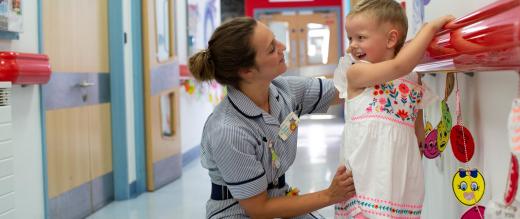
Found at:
(486, 102)
(26, 116)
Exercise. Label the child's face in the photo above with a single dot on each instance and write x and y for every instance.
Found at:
(368, 40)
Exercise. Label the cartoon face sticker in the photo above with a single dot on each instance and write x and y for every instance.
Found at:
(468, 186)
(475, 212)
(462, 143)
(430, 145)
(444, 127)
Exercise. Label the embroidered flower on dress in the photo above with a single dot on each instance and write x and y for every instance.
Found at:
(398, 94)
(404, 89)
(382, 101)
(402, 114)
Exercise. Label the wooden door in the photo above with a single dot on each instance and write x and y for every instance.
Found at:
(77, 107)
(318, 39)
(312, 40)
(161, 94)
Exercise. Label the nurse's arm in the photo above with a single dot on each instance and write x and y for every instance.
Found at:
(261, 206)
(336, 99)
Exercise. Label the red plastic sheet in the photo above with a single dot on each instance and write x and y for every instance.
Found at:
(485, 40)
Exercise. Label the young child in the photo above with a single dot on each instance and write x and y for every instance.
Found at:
(381, 109)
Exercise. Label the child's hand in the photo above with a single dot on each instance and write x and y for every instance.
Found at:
(438, 23)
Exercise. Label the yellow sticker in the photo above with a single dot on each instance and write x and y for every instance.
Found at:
(468, 186)
(444, 127)
(428, 128)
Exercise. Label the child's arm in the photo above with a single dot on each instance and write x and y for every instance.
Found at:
(420, 133)
(363, 75)
(419, 130)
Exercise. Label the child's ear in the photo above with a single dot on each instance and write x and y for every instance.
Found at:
(393, 37)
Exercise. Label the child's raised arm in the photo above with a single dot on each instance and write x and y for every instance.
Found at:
(363, 75)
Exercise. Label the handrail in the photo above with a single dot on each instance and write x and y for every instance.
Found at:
(485, 40)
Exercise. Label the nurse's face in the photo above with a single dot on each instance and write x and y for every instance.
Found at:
(269, 59)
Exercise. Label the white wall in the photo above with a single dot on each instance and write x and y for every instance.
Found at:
(495, 92)
(486, 101)
(194, 111)
(129, 91)
(26, 125)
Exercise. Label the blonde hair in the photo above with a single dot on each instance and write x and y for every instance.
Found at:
(385, 11)
(229, 50)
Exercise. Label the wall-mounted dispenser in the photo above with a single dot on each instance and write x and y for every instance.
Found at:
(24, 68)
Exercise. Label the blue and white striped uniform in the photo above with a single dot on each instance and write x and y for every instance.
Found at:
(234, 141)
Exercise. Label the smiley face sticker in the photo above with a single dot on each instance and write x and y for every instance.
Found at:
(475, 212)
(462, 143)
(430, 145)
(468, 186)
(444, 127)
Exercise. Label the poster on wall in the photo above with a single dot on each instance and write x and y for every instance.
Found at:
(11, 15)
(203, 18)
(415, 11)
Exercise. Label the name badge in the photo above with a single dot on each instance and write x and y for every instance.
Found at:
(288, 126)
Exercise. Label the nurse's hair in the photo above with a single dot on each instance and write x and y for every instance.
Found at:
(229, 50)
(384, 11)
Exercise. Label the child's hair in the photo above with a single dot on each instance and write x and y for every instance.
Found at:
(385, 11)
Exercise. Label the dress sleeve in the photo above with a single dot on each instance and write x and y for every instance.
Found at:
(340, 76)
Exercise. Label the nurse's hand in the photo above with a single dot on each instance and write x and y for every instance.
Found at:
(342, 186)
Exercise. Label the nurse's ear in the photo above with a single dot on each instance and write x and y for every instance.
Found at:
(247, 74)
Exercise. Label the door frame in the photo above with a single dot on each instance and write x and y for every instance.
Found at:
(46, 211)
(123, 189)
(118, 99)
(138, 92)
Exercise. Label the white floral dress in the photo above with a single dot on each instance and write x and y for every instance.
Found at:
(380, 147)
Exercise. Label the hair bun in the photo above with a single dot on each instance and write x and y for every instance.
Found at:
(201, 66)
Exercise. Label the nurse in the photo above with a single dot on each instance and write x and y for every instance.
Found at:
(249, 141)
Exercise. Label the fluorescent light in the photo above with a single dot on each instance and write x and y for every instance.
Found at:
(319, 117)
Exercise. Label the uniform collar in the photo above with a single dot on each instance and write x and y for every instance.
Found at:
(248, 108)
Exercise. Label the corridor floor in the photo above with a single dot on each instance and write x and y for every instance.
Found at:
(315, 164)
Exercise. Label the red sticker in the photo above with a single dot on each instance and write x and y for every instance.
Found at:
(476, 212)
(462, 152)
(512, 181)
